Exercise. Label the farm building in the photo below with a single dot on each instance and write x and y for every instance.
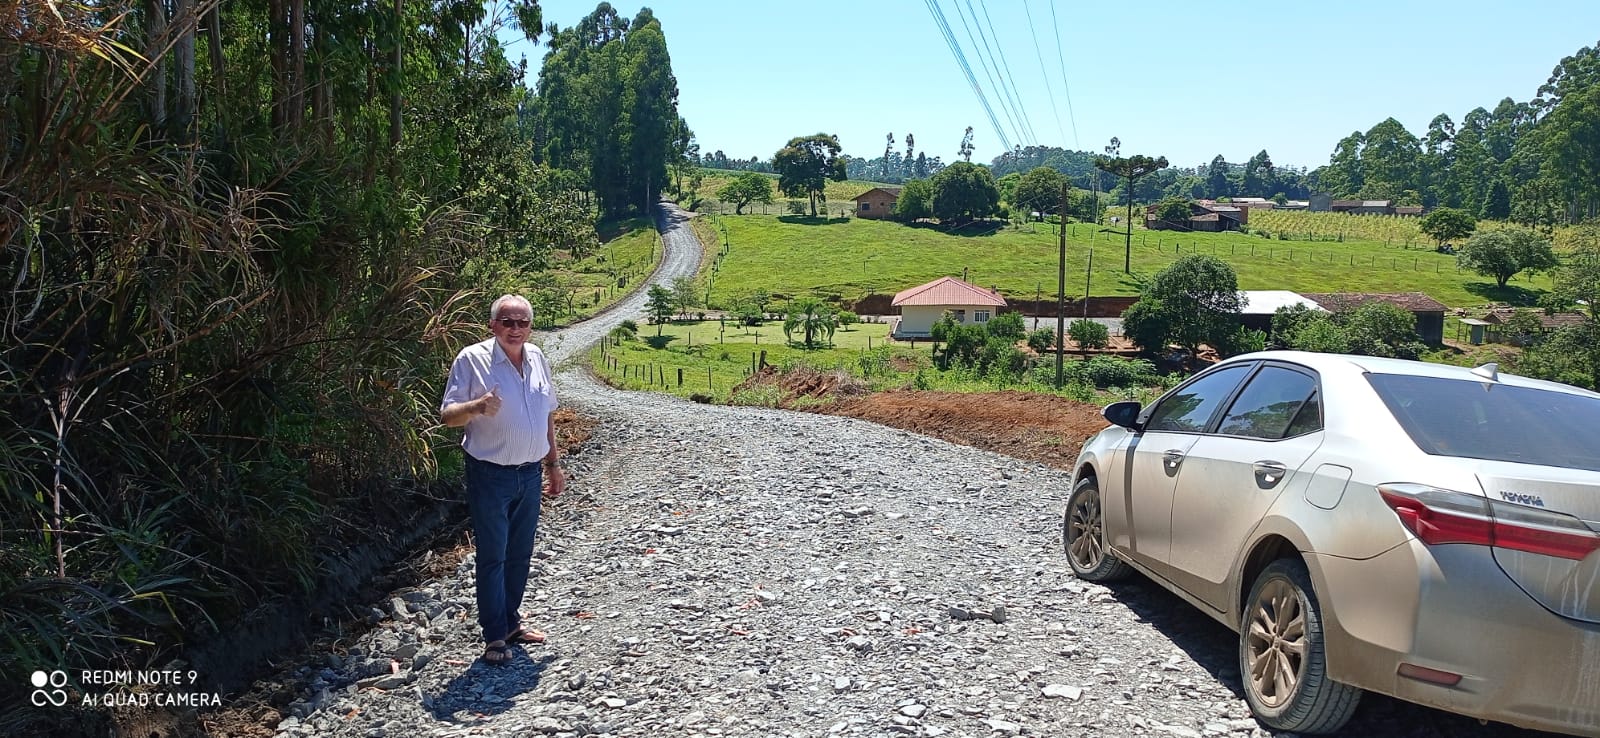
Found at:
(1260, 305)
(1204, 215)
(1326, 204)
(877, 202)
(1497, 323)
(1429, 312)
(920, 307)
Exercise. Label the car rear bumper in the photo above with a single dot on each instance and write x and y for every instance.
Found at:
(1450, 608)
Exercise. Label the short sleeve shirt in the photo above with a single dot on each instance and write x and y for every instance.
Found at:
(519, 432)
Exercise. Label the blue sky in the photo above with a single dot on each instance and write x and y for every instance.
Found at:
(1178, 79)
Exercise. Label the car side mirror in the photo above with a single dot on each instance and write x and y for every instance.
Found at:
(1125, 414)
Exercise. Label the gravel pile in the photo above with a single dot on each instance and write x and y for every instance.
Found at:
(717, 571)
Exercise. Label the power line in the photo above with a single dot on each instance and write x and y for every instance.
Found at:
(961, 59)
(987, 71)
(1056, 109)
(1022, 110)
(1063, 59)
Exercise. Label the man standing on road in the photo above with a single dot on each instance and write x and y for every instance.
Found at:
(500, 389)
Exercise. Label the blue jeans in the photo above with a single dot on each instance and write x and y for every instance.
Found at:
(504, 503)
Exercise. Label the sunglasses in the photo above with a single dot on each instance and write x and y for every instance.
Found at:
(513, 322)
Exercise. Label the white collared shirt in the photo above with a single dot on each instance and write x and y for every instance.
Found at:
(519, 433)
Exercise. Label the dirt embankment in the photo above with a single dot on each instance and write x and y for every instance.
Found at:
(1036, 427)
(1041, 428)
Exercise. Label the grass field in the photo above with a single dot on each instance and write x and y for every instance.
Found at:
(714, 358)
(850, 258)
(840, 195)
(628, 253)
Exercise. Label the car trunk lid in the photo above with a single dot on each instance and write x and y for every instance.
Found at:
(1547, 523)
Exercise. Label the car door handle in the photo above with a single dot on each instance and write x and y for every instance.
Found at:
(1171, 460)
(1269, 473)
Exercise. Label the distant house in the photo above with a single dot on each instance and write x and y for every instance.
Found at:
(877, 202)
(1295, 205)
(920, 307)
(1409, 211)
(1253, 202)
(1204, 215)
(1353, 207)
(1497, 320)
(1429, 312)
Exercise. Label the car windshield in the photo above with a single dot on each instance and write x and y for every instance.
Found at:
(1497, 422)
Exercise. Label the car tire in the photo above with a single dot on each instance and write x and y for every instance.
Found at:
(1083, 536)
(1282, 657)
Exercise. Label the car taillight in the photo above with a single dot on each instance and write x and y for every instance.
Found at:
(1437, 516)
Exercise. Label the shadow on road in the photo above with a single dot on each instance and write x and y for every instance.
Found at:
(485, 689)
(1215, 648)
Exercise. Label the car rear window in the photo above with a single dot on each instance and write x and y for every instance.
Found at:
(1498, 422)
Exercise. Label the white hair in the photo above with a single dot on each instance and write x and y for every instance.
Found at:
(501, 301)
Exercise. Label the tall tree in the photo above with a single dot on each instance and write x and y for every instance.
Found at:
(806, 164)
(1343, 176)
(964, 191)
(966, 145)
(1388, 160)
(888, 146)
(1260, 179)
(1130, 169)
(1217, 184)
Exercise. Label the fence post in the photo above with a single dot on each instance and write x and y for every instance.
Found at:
(680, 376)
(708, 379)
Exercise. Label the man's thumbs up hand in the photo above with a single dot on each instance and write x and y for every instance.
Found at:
(489, 403)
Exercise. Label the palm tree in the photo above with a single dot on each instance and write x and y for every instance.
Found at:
(812, 316)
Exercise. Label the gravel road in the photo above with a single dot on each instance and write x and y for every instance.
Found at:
(718, 571)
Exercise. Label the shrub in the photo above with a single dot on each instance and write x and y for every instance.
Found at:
(1007, 325)
(1088, 334)
(795, 207)
(847, 318)
(1110, 371)
(761, 395)
(1042, 340)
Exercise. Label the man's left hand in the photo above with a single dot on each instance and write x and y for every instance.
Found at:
(555, 481)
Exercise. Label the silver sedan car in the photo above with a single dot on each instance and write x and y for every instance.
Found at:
(1424, 531)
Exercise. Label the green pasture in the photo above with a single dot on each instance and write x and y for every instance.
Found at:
(628, 254)
(840, 195)
(851, 258)
(716, 356)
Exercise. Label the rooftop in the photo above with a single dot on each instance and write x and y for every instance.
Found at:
(948, 291)
(1416, 302)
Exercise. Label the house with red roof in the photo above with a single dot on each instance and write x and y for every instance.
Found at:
(920, 307)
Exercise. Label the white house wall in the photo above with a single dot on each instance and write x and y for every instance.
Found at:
(918, 320)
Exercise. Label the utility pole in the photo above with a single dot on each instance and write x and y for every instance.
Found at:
(1061, 289)
(1088, 276)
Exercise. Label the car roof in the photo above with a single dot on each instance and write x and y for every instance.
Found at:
(1351, 364)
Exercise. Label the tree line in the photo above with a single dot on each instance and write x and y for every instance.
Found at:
(1531, 161)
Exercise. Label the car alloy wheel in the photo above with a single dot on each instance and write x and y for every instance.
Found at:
(1281, 655)
(1083, 535)
(1276, 649)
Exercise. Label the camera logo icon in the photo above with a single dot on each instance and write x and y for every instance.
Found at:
(55, 695)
